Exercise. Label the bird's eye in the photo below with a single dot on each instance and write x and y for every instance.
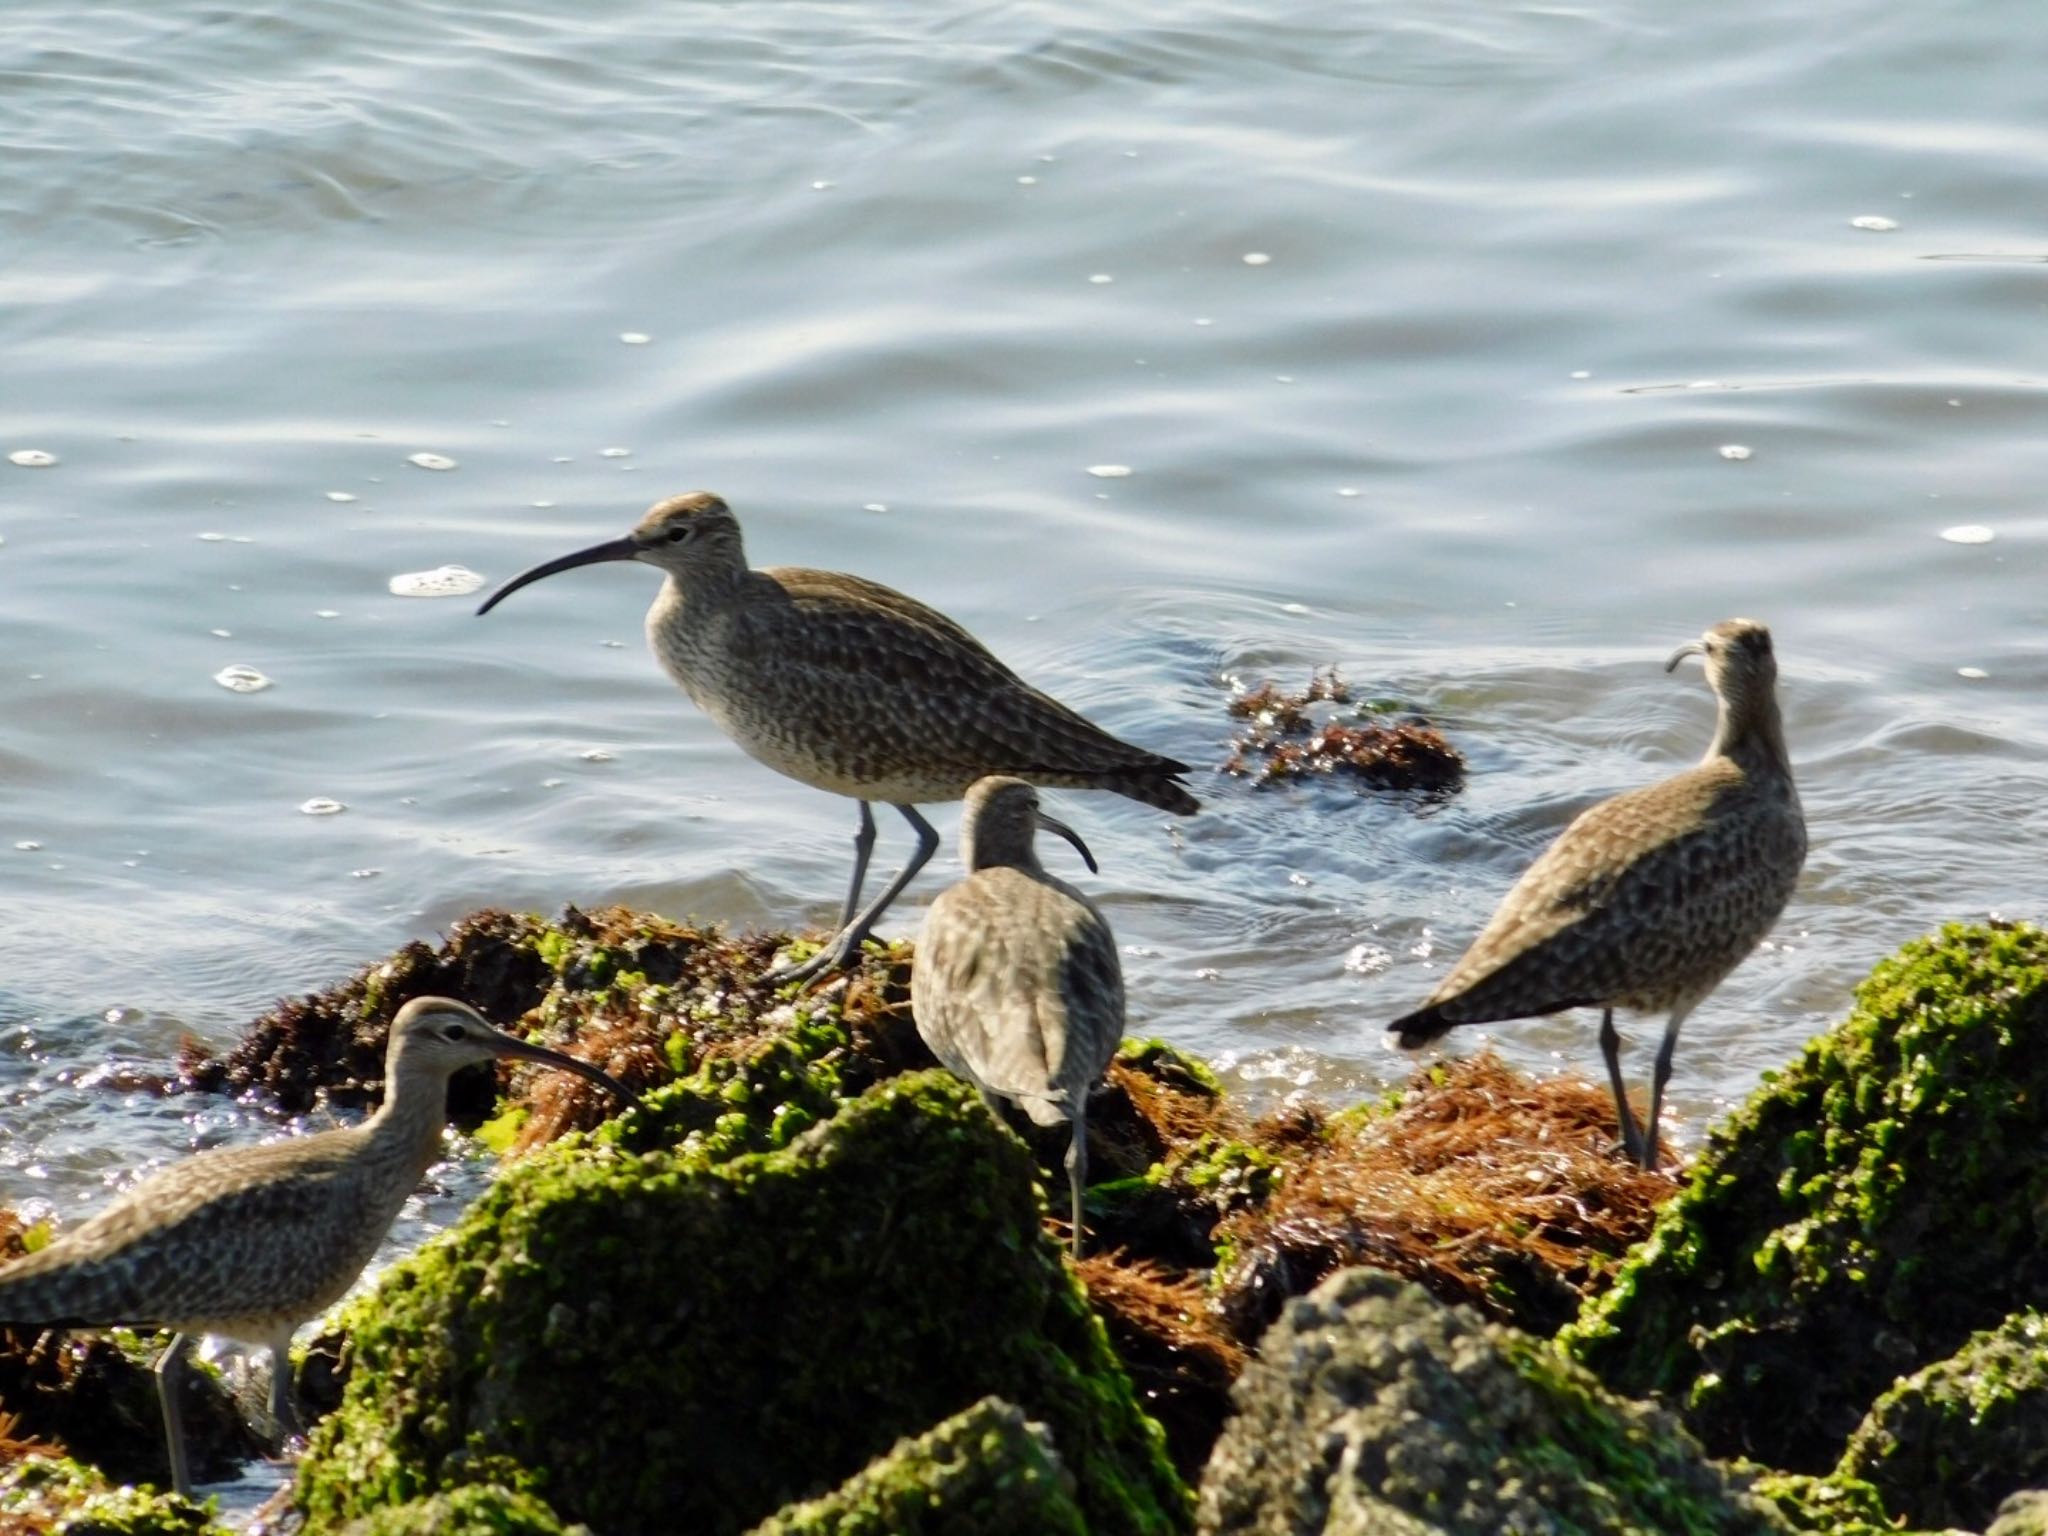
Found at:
(680, 533)
(453, 1032)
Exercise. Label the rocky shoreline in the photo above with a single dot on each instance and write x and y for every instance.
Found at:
(811, 1286)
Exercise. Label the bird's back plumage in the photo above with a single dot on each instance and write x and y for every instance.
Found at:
(855, 687)
(1017, 988)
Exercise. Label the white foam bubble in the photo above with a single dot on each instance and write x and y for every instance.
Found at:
(635, 338)
(1736, 451)
(442, 581)
(1256, 258)
(340, 496)
(1877, 223)
(320, 805)
(240, 677)
(32, 458)
(1110, 471)
(430, 460)
(1968, 533)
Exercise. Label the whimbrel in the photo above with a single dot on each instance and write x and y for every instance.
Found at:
(250, 1242)
(850, 687)
(1648, 899)
(1016, 985)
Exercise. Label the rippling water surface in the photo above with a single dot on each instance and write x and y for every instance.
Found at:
(1423, 330)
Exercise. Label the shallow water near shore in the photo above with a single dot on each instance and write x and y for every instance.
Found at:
(1428, 339)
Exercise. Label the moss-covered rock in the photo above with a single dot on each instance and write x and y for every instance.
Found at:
(1859, 1218)
(1373, 1409)
(477, 1509)
(68, 1498)
(985, 1472)
(1826, 1506)
(736, 1298)
(1948, 1443)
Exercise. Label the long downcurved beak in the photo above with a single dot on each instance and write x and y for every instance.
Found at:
(519, 1050)
(1690, 648)
(1059, 828)
(597, 554)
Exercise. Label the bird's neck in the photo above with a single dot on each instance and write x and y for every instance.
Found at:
(408, 1125)
(1750, 731)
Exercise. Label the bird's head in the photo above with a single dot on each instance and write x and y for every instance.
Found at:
(692, 537)
(438, 1036)
(1001, 822)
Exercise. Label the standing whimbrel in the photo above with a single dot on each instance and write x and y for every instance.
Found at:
(853, 688)
(250, 1242)
(1015, 984)
(1647, 900)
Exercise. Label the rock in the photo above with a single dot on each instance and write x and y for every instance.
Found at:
(984, 1472)
(2023, 1514)
(1375, 1410)
(1948, 1443)
(1865, 1213)
(738, 1296)
(48, 1493)
(477, 1509)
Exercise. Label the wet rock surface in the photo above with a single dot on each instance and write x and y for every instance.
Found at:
(1374, 1408)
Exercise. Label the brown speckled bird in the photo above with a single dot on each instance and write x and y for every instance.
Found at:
(250, 1242)
(1016, 985)
(851, 687)
(1647, 900)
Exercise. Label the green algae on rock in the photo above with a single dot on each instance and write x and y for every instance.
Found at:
(475, 1509)
(1947, 1444)
(67, 1498)
(985, 1472)
(1860, 1217)
(1376, 1410)
(690, 1335)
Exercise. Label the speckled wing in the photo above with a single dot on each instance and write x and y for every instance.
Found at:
(265, 1236)
(1644, 901)
(1017, 987)
(921, 693)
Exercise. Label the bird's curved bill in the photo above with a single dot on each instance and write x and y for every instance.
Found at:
(519, 1050)
(597, 554)
(1059, 828)
(1690, 648)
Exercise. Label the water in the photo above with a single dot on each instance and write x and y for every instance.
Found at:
(1165, 346)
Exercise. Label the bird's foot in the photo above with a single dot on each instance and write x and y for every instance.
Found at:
(839, 953)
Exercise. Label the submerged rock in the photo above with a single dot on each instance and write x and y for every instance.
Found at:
(2024, 1514)
(1375, 1410)
(1858, 1219)
(985, 1472)
(738, 1296)
(1948, 1443)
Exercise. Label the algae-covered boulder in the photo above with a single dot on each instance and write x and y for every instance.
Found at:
(1859, 1218)
(67, 1498)
(1375, 1410)
(477, 1509)
(1948, 1443)
(985, 1472)
(733, 1299)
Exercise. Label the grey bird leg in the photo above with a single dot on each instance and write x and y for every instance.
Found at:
(1662, 1075)
(1077, 1175)
(281, 1410)
(1610, 1047)
(863, 845)
(844, 948)
(170, 1378)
